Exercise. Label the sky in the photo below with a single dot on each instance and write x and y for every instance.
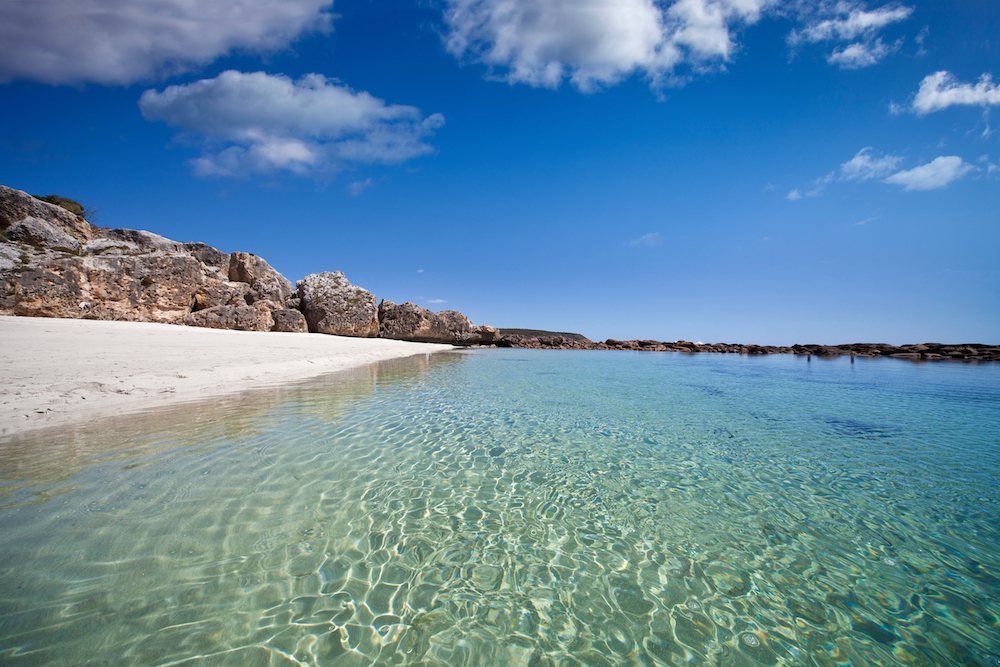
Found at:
(754, 171)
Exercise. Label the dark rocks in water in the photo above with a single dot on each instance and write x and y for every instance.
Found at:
(537, 339)
(497, 451)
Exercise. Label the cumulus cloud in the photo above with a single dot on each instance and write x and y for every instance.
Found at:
(851, 22)
(794, 195)
(941, 90)
(646, 241)
(865, 166)
(122, 41)
(258, 123)
(933, 175)
(595, 43)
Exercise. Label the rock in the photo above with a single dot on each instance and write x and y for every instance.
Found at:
(289, 320)
(42, 234)
(239, 318)
(209, 256)
(143, 240)
(332, 305)
(220, 293)
(456, 322)
(408, 321)
(16, 205)
(264, 281)
(484, 334)
(143, 288)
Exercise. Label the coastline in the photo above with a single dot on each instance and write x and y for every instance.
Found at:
(59, 372)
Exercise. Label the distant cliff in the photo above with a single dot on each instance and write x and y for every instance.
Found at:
(53, 263)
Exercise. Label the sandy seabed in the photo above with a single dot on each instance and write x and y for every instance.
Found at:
(56, 372)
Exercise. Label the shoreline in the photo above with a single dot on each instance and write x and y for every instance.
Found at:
(61, 372)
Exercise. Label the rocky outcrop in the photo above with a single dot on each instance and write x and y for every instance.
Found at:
(257, 317)
(332, 305)
(264, 281)
(16, 205)
(39, 233)
(408, 321)
(536, 339)
(55, 264)
(289, 320)
(924, 352)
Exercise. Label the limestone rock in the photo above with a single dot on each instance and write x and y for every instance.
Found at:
(264, 281)
(484, 334)
(239, 318)
(16, 205)
(40, 233)
(289, 320)
(220, 293)
(408, 321)
(209, 256)
(332, 305)
(147, 289)
(143, 240)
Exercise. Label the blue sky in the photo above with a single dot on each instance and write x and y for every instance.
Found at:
(762, 171)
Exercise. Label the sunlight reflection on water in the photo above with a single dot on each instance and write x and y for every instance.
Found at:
(581, 508)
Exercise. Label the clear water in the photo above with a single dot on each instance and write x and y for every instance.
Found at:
(508, 507)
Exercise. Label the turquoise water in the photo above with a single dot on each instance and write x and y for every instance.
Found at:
(517, 507)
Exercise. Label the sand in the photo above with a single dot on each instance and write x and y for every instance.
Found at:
(57, 372)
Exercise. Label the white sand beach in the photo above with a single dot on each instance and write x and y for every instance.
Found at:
(55, 372)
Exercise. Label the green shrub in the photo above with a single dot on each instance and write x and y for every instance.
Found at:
(147, 281)
(74, 207)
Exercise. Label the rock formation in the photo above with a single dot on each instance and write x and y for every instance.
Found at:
(407, 321)
(332, 305)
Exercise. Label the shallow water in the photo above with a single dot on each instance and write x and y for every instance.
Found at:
(511, 507)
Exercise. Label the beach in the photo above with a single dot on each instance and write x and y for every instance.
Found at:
(57, 372)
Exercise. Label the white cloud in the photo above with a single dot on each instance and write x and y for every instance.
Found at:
(262, 123)
(941, 90)
(860, 54)
(820, 184)
(123, 41)
(598, 42)
(436, 301)
(794, 195)
(866, 221)
(851, 23)
(933, 175)
(857, 23)
(357, 187)
(646, 241)
(864, 166)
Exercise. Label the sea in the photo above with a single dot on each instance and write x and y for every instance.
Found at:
(521, 508)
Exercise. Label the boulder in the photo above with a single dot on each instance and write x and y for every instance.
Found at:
(332, 305)
(289, 320)
(264, 281)
(42, 234)
(16, 205)
(408, 321)
(220, 293)
(239, 318)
